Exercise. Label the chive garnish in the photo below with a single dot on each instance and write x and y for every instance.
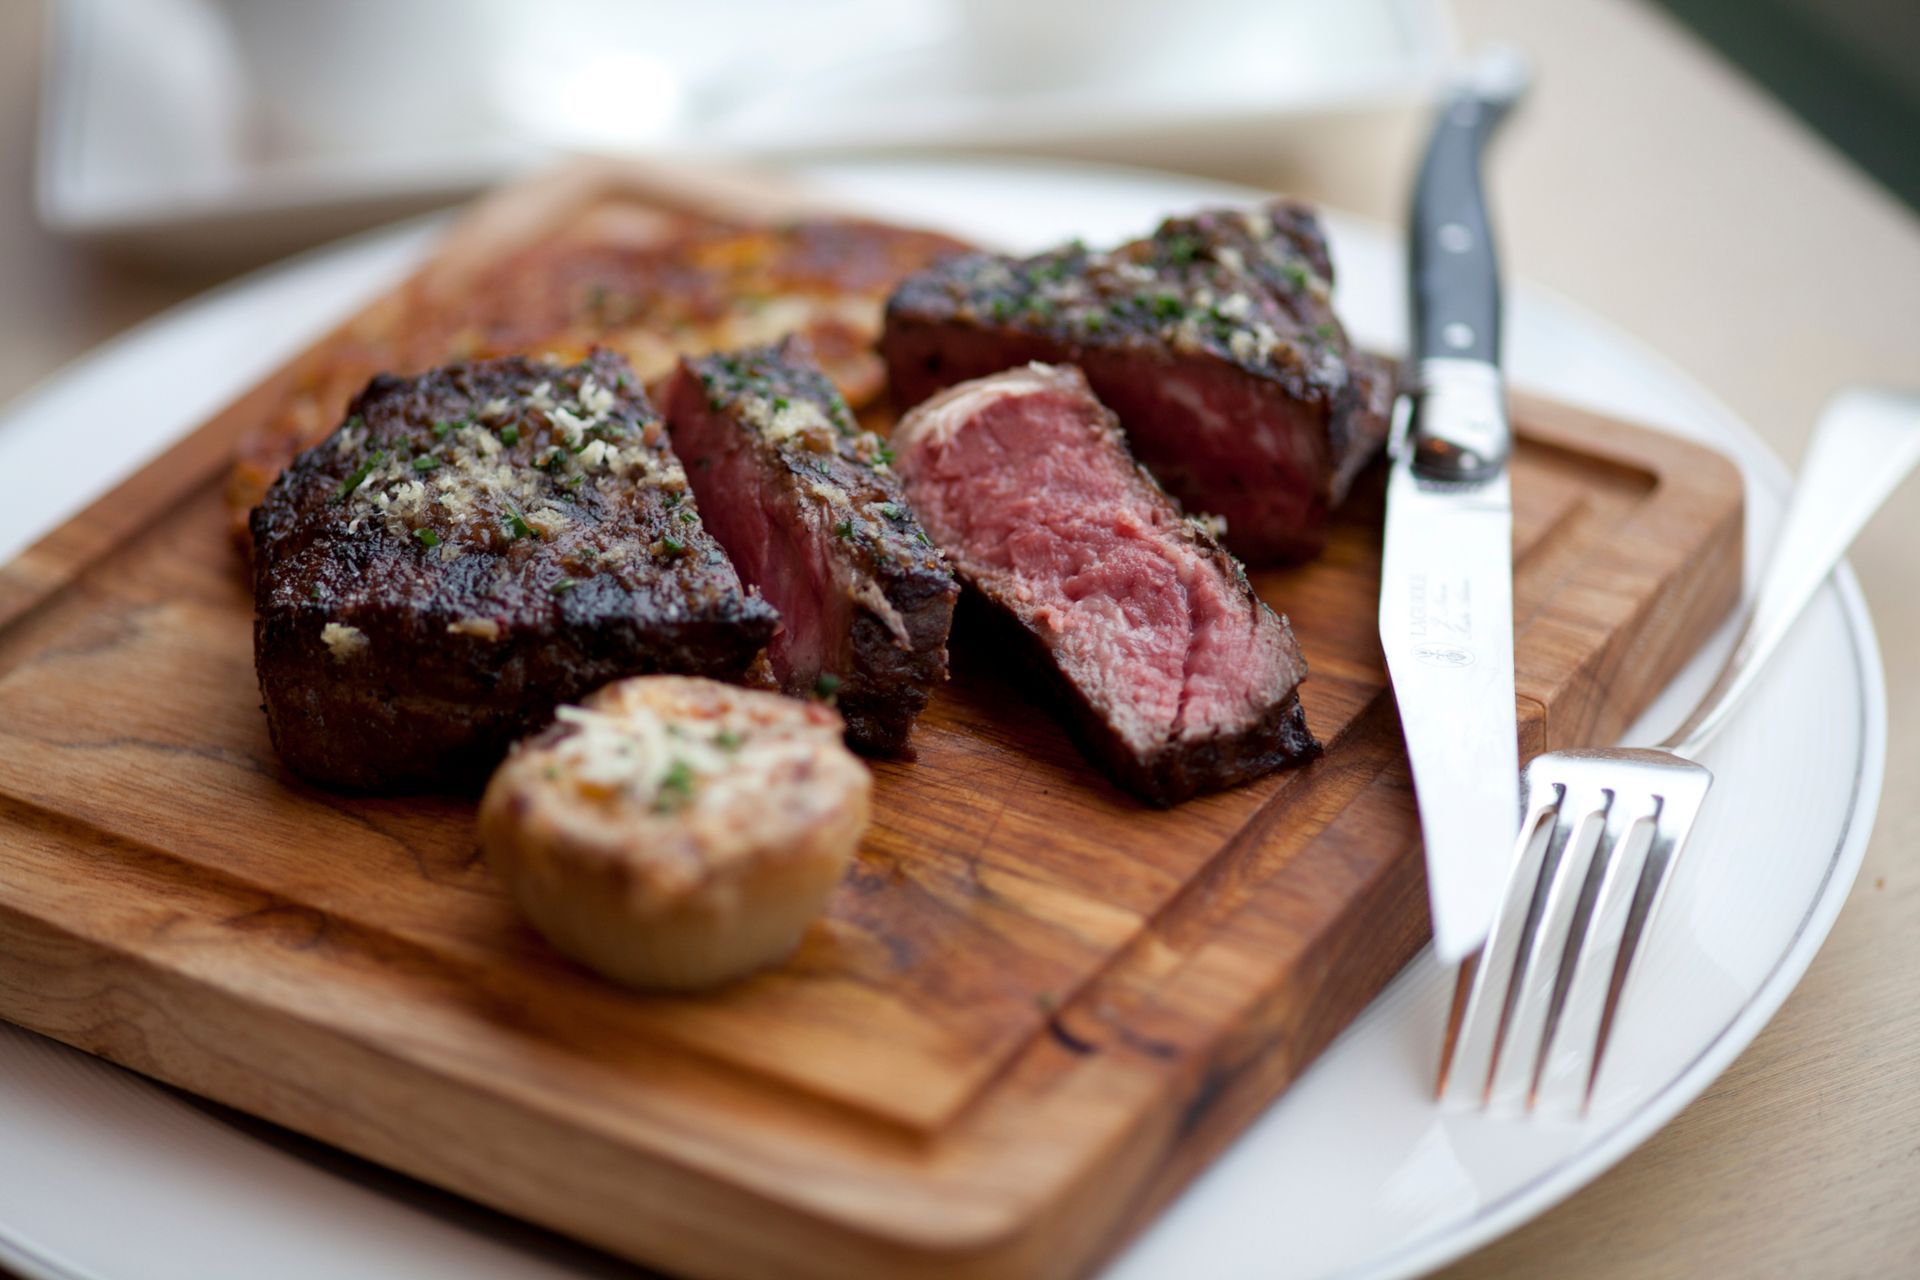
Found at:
(563, 586)
(885, 454)
(427, 538)
(360, 474)
(517, 526)
(727, 740)
(509, 434)
(844, 530)
(825, 685)
(425, 462)
(676, 787)
(672, 545)
(442, 429)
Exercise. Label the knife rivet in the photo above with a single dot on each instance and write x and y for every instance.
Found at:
(1454, 237)
(1457, 335)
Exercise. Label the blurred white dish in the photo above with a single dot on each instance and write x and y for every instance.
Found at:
(1353, 1172)
(229, 128)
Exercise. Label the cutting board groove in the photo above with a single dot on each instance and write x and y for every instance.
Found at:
(1034, 1010)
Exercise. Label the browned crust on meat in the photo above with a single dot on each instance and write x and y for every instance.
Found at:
(403, 645)
(838, 479)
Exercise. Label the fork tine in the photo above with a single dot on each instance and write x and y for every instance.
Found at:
(1462, 1055)
(1593, 942)
(1580, 917)
(1582, 819)
(1661, 855)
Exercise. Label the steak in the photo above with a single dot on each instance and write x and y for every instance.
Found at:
(1215, 341)
(1176, 676)
(814, 517)
(469, 549)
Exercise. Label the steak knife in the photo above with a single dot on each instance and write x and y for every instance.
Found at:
(1446, 588)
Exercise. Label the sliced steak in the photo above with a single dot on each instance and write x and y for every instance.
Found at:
(469, 549)
(1215, 341)
(1177, 677)
(814, 517)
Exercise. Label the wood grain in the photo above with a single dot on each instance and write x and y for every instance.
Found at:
(1032, 1012)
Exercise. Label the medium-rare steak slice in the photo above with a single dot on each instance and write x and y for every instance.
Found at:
(1214, 340)
(813, 516)
(1179, 679)
(469, 549)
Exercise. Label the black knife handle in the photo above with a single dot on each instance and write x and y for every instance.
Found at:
(1454, 270)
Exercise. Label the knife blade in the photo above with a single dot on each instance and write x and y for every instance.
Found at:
(1446, 589)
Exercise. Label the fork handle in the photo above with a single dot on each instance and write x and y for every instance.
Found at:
(1866, 443)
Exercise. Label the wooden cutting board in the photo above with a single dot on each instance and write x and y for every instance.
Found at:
(1033, 1011)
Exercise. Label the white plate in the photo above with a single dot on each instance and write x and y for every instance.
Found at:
(1354, 1171)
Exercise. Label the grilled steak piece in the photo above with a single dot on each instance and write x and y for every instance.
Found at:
(1215, 341)
(1177, 677)
(469, 549)
(814, 517)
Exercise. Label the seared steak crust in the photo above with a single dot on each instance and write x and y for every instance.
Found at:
(1174, 675)
(1215, 341)
(469, 549)
(814, 517)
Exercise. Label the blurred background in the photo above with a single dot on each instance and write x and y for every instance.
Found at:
(215, 132)
(1732, 181)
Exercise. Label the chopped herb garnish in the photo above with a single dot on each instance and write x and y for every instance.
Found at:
(1166, 306)
(1182, 249)
(441, 430)
(563, 586)
(672, 545)
(425, 462)
(920, 536)
(825, 685)
(1093, 321)
(426, 538)
(727, 740)
(999, 309)
(674, 498)
(676, 787)
(517, 526)
(315, 593)
(885, 455)
(360, 474)
(779, 403)
(1297, 275)
(509, 434)
(1325, 331)
(844, 530)
(574, 483)
(893, 511)
(689, 516)
(551, 458)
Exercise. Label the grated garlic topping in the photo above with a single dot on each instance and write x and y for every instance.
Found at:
(666, 765)
(344, 642)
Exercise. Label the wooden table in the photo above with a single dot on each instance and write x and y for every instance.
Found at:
(1650, 182)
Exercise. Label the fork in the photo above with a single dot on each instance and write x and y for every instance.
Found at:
(1602, 829)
